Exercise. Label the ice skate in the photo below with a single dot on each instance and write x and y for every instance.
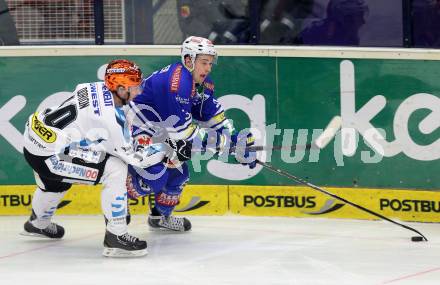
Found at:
(157, 221)
(124, 245)
(52, 231)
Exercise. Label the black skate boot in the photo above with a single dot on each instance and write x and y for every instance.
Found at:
(124, 245)
(52, 231)
(158, 221)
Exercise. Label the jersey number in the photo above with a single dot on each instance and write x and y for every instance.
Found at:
(61, 117)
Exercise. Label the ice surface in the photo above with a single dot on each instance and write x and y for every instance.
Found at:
(226, 250)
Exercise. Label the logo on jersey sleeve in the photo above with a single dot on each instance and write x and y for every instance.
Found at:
(108, 97)
(95, 102)
(175, 79)
(44, 132)
(83, 98)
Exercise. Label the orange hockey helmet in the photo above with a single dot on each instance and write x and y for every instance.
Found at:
(122, 72)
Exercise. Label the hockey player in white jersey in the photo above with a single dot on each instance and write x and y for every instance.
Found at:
(86, 140)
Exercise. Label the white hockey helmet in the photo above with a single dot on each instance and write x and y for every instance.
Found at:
(193, 46)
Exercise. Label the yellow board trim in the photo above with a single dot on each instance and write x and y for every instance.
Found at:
(86, 200)
(290, 201)
(300, 201)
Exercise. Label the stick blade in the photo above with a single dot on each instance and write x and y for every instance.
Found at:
(329, 132)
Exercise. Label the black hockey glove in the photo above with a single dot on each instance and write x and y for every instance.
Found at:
(181, 149)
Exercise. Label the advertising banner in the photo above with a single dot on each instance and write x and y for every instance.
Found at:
(299, 201)
(86, 200)
(390, 111)
(287, 201)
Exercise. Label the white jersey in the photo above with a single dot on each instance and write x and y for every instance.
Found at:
(87, 125)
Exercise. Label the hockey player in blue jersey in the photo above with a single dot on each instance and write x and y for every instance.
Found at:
(178, 106)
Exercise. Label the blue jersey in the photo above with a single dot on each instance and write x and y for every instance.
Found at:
(171, 103)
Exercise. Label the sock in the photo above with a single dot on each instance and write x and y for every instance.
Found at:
(44, 205)
(114, 196)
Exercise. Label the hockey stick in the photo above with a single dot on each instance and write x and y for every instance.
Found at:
(324, 138)
(306, 183)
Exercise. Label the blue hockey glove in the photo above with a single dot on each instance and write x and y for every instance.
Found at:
(242, 154)
(211, 141)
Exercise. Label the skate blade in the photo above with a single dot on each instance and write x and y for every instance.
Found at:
(155, 228)
(117, 252)
(163, 229)
(35, 235)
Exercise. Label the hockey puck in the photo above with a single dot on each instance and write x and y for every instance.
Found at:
(417, 238)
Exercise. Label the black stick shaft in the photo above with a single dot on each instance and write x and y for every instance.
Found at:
(264, 148)
(304, 182)
(281, 147)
